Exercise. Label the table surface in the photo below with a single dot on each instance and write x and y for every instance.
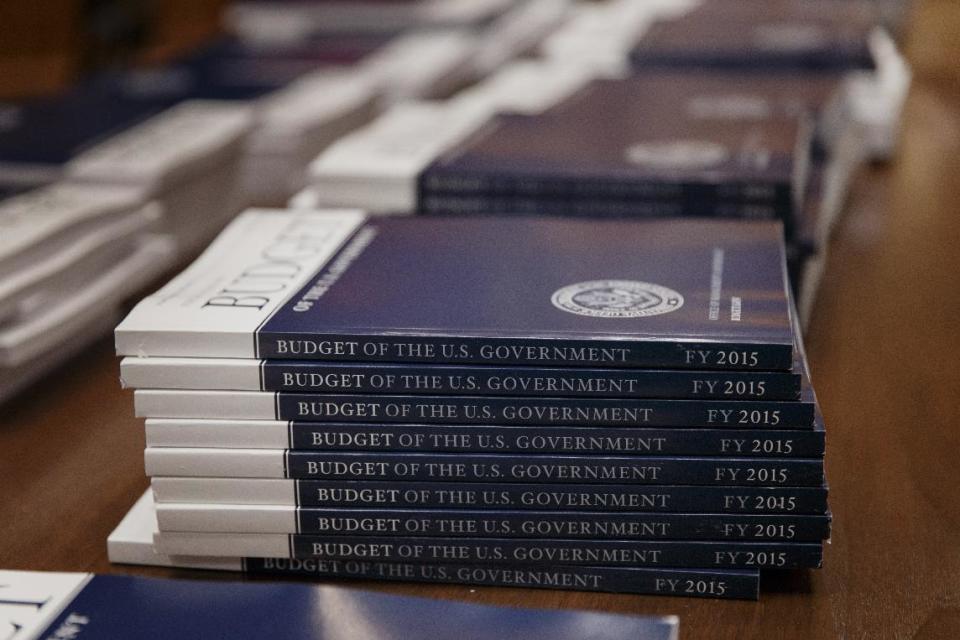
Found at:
(883, 347)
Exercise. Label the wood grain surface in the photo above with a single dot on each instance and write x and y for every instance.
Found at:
(884, 347)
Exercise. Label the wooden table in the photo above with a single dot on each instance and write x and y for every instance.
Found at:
(884, 348)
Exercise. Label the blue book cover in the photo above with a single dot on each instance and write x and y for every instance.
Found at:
(667, 145)
(35, 605)
(336, 286)
(48, 132)
(231, 69)
(762, 37)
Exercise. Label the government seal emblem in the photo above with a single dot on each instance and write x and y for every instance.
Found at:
(616, 299)
(677, 154)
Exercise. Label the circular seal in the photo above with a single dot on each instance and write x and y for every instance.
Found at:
(616, 299)
(677, 154)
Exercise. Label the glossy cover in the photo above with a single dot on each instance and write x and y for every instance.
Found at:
(761, 39)
(493, 523)
(666, 145)
(108, 607)
(329, 286)
(533, 497)
(47, 132)
(238, 374)
(483, 410)
(269, 463)
(343, 436)
(515, 551)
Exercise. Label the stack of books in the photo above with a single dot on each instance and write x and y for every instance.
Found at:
(70, 257)
(602, 405)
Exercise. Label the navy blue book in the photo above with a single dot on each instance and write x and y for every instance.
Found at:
(483, 410)
(463, 467)
(479, 495)
(352, 377)
(761, 37)
(48, 132)
(492, 523)
(39, 605)
(416, 438)
(736, 584)
(700, 555)
(335, 286)
(231, 69)
(666, 145)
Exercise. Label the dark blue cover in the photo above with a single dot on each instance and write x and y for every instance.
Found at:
(581, 497)
(743, 584)
(483, 291)
(231, 69)
(634, 553)
(563, 524)
(319, 377)
(655, 152)
(752, 37)
(461, 467)
(312, 436)
(729, 414)
(48, 132)
(112, 607)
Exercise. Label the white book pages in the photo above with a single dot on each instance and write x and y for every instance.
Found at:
(219, 434)
(45, 222)
(226, 518)
(215, 463)
(170, 147)
(227, 374)
(376, 167)
(224, 490)
(57, 325)
(132, 542)
(58, 275)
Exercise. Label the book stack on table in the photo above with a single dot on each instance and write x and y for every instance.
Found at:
(71, 255)
(598, 405)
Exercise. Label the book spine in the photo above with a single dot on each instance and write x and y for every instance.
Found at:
(557, 440)
(729, 414)
(558, 524)
(654, 499)
(438, 181)
(527, 381)
(701, 555)
(554, 469)
(561, 352)
(726, 584)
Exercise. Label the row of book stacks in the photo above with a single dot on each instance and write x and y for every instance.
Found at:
(521, 301)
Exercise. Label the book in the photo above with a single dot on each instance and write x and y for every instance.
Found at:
(57, 272)
(43, 223)
(759, 38)
(40, 605)
(505, 410)
(375, 168)
(491, 523)
(46, 133)
(188, 158)
(132, 543)
(662, 149)
(443, 495)
(462, 467)
(54, 326)
(643, 441)
(513, 552)
(239, 374)
(285, 285)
